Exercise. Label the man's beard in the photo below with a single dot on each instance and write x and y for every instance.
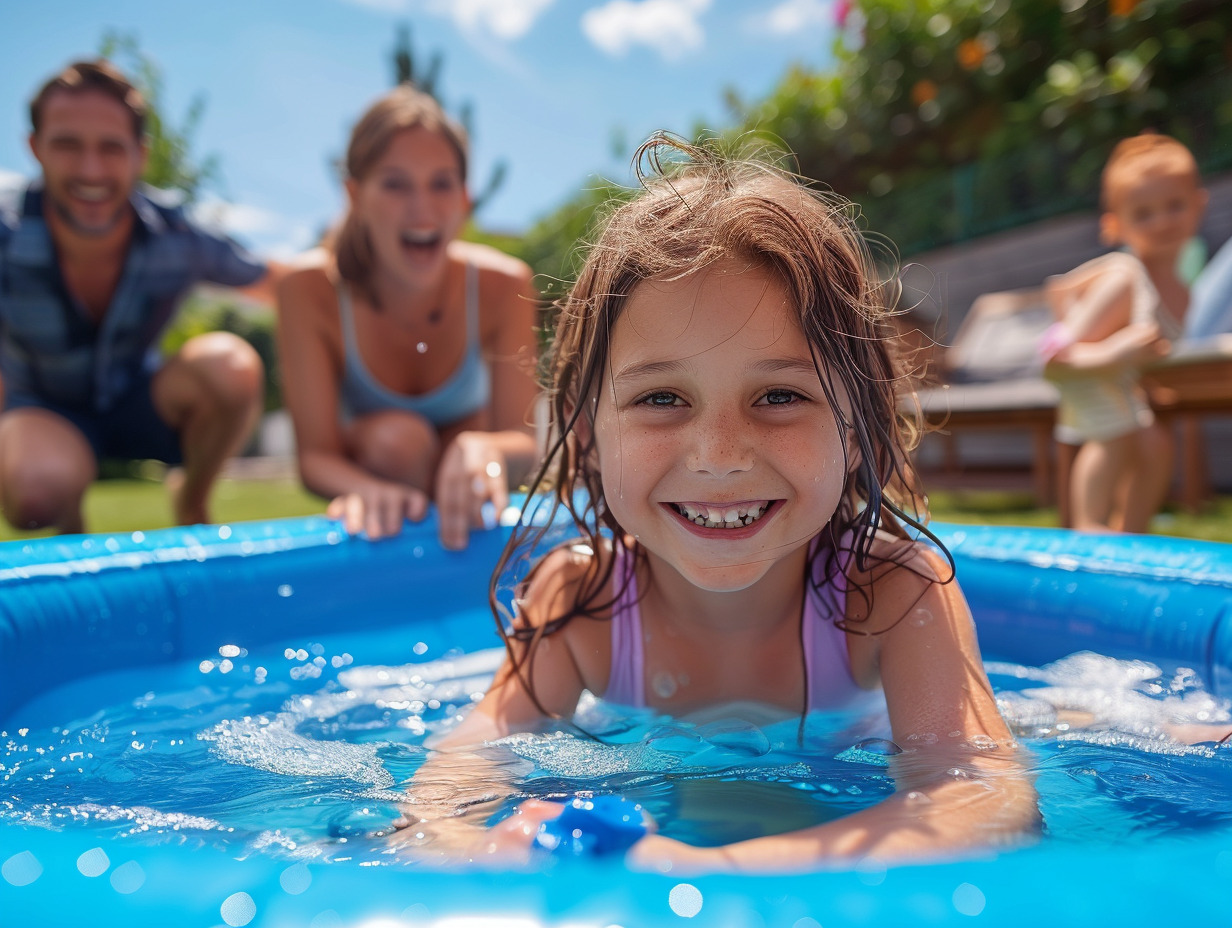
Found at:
(65, 214)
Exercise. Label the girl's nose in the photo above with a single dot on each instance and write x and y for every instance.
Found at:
(720, 445)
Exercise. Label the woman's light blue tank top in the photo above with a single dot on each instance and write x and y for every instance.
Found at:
(466, 391)
(827, 664)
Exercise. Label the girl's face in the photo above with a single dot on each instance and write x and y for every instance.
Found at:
(716, 445)
(413, 203)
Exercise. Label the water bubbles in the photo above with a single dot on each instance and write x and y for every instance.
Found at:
(420, 648)
(229, 650)
(224, 532)
(685, 900)
(205, 666)
(285, 590)
(138, 537)
(421, 347)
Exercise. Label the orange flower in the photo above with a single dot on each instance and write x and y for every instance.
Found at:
(923, 91)
(971, 52)
(1122, 7)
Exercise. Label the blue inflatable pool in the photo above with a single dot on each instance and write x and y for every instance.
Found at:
(71, 606)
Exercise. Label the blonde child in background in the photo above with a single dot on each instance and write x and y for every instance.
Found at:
(1117, 313)
(724, 394)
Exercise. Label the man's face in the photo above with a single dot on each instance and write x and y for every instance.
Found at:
(91, 160)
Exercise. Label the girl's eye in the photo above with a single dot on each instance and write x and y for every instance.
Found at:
(661, 399)
(443, 184)
(781, 397)
(395, 184)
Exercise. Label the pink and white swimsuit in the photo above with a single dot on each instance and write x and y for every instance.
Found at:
(826, 661)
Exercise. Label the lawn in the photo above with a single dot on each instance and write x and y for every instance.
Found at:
(135, 502)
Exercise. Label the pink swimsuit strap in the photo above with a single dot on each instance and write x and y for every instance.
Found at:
(827, 663)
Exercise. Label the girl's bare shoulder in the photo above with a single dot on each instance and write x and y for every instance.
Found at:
(565, 577)
(901, 574)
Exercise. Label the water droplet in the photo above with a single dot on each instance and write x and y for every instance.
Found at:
(93, 862)
(21, 869)
(238, 909)
(664, 685)
(968, 899)
(685, 900)
(285, 590)
(295, 879)
(127, 878)
(421, 347)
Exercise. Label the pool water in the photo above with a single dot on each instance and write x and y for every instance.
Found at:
(300, 752)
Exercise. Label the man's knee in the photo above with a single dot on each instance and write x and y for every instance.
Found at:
(39, 490)
(217, 373)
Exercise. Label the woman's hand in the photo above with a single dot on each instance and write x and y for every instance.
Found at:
(471, 477)
(379, 509)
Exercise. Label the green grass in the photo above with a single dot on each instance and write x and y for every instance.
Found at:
(1214, 523)
(132, 503)
(129, 504)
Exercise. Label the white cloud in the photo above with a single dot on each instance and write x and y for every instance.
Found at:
(11, 180)
(670, 27)
(506, 20)
(266, 232)
(794, 16)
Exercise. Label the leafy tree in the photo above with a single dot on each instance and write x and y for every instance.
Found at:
(171, 165)
(428, 80)
(950, 118)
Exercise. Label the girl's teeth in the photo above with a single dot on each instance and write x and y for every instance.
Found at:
(721, 518)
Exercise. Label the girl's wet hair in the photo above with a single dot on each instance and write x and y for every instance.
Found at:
(696, 207)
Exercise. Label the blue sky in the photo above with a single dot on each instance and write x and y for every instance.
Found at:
(551, 84)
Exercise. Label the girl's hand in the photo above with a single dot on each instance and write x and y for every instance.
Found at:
(471, 477)
(379, 509)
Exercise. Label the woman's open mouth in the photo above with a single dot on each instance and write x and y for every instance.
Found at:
(725, 516)
(420, 241)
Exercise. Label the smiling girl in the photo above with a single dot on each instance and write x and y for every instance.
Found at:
(407, 355)
(723, 390)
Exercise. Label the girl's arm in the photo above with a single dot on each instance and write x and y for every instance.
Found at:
(463, 774)
(308, 359)
(503, 449)
(960, 782)
(1096, 315)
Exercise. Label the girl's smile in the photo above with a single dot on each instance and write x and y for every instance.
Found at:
(718, 448)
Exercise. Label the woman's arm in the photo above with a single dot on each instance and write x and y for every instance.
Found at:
(479, 465)
(309, 363)
(961, 781)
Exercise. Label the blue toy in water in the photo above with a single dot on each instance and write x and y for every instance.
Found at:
(593, 826)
